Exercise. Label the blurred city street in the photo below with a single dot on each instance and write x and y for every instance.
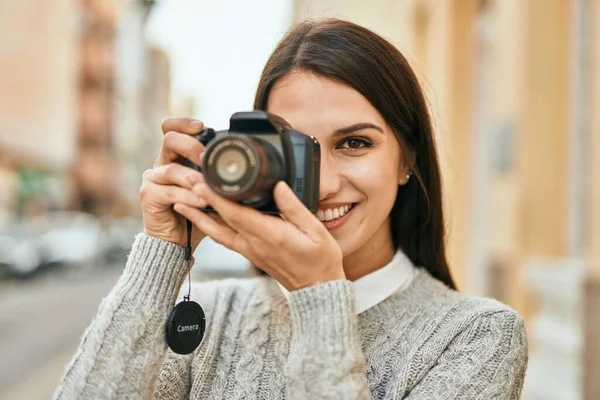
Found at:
(511, 86)
(41, 323)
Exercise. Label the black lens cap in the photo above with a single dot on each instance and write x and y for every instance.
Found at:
(185, 327)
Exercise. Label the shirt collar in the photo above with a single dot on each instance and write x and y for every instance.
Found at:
(377, 286)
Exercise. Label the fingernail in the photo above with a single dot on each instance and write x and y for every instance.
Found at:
(197, 124)
(282, 185)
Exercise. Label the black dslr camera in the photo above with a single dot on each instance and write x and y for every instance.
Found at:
(244, 163)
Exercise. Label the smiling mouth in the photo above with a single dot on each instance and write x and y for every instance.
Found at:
(331, 214)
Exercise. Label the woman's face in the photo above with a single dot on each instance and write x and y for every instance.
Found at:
(361, 160)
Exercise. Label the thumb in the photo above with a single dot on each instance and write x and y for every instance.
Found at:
(293, 209)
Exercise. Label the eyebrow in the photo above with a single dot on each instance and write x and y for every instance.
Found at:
(356, 127)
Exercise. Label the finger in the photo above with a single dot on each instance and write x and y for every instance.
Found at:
(241, 218)
(220, 233)
(216, 217)
(184, 125)
(176, 145)
(174, 174)
(294, 210)
(168, 195)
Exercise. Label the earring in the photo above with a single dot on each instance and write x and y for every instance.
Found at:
(408, 176)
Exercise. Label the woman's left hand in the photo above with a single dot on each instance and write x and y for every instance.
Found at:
(298, 251)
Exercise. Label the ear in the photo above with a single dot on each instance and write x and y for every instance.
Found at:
(406, 164)
(404, 175)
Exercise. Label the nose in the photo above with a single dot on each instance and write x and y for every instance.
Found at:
(330, 179)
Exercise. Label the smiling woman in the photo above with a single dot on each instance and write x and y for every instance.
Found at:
(349, 79)
(359, 301)
(362, 164)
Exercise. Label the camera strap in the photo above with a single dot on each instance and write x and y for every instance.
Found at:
(186, 322)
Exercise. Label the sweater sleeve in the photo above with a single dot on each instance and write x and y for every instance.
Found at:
(123, 350)
(487, 360)
(326, 359)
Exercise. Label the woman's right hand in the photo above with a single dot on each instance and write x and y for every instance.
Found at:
(169, 182)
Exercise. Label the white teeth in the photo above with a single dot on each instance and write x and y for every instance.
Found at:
(333, 213)
(321, 215)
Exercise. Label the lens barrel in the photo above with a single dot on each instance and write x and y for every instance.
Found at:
(243, 168)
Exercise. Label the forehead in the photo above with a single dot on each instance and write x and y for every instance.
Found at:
(316, 105)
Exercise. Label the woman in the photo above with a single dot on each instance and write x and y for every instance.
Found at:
(358, 302)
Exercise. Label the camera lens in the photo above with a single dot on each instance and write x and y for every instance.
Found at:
(231, 165)
(243, 168)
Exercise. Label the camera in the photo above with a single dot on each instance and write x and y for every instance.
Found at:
(244, 163)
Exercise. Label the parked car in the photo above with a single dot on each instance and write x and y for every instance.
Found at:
(7, 245)
(58, 238)
(118, 237)
(23, 255)
(74, 239)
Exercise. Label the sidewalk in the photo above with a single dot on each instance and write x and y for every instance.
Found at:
(40, 383)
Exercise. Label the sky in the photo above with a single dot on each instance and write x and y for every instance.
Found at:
(217, 50)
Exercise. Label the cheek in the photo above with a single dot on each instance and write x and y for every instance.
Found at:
(376, 177)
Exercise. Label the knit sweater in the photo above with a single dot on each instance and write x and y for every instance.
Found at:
(426, 342)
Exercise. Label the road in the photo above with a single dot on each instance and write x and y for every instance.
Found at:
(41, 323)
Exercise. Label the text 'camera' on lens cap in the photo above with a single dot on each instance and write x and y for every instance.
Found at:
(185, 327)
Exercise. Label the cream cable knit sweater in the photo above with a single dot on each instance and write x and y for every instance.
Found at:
(427, 342)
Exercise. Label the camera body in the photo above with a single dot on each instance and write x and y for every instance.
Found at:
(259, 149)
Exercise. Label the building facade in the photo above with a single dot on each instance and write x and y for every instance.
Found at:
(93, 173)
(75, 129)
(38, 101)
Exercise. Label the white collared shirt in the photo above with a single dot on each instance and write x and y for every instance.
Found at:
(377, 286)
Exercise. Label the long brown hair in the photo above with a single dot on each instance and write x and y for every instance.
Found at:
(348, 53)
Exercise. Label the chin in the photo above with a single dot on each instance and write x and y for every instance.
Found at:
(348, 243)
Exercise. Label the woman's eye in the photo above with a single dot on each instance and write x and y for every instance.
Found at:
(355, 144)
